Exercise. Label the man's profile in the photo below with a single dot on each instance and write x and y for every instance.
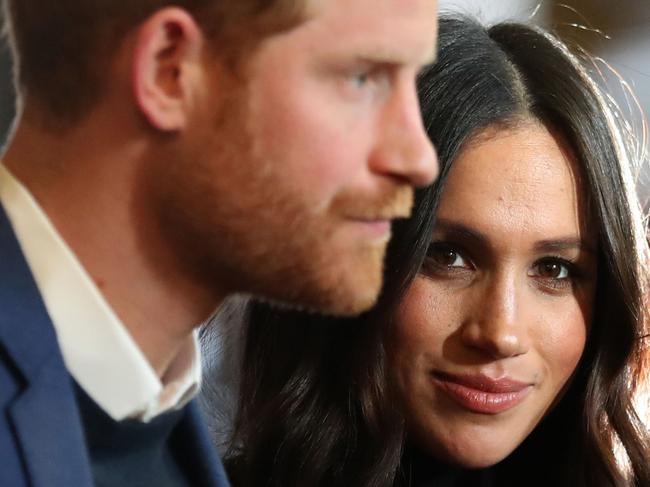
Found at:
(169, 154)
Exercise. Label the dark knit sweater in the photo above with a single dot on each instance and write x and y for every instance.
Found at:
(131, 453)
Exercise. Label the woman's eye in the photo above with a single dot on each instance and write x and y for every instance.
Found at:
(556, 275)
(446, 256)
(553, 270)
(446, 261)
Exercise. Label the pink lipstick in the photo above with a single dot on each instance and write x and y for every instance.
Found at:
(482, 394)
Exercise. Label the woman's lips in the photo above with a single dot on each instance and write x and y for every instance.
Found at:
(482, 394)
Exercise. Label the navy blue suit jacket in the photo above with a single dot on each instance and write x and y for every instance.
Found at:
(41, 437)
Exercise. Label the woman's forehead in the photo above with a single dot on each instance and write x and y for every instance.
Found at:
(523, 178)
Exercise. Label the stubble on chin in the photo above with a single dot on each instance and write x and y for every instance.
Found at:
(302, 264)
(321, 269)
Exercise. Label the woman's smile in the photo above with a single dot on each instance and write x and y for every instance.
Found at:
(479, 393)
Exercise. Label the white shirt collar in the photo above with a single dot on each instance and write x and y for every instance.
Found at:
(98, 350)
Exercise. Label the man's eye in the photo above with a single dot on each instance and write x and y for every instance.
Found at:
(378, 79)
(361, 79)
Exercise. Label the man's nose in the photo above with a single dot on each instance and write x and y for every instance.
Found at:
(404, 150)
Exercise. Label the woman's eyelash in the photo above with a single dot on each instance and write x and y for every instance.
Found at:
(438, 248)
(550, 265)
(447, 257)
(557, 274)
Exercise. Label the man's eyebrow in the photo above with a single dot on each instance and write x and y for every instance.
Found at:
(390, 56)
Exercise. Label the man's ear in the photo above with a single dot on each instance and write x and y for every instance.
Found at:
(167, 71)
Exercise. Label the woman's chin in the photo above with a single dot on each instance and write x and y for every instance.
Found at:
(474, 456)
(479, 462)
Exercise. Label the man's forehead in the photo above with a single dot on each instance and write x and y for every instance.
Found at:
(390, 30)
(315, 6)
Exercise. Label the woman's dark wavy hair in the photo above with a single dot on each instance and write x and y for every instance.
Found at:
(316, 405)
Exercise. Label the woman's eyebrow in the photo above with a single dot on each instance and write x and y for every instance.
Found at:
(469, 234)
(461, 231)
(563, 243)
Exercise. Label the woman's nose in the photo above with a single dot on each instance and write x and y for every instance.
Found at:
(495, 320)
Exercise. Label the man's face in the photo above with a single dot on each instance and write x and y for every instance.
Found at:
(294, 173)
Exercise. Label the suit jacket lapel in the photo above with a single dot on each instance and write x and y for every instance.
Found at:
(45, 415)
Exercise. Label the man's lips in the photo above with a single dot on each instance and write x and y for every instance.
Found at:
(482, 394)
(379, 226)
(378, 222)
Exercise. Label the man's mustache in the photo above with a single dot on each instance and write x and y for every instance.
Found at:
(390, 203)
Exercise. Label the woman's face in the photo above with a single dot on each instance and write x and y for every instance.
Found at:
(492, 329)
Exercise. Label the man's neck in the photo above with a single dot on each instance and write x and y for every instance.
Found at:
(87, 183)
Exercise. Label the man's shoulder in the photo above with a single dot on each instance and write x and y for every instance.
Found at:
(27, 337)
(40, 432)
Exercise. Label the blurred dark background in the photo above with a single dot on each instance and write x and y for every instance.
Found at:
(6, 91)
